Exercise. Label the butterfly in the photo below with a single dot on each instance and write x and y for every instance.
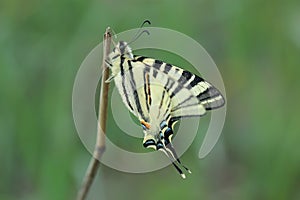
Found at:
(159, 95)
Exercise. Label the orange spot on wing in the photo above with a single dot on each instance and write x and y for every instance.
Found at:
(147, 125)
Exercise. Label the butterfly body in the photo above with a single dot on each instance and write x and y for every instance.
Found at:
(159, 94)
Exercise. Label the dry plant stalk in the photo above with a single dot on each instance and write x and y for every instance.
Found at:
(101, 125)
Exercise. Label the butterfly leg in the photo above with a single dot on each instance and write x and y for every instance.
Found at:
(108, 63)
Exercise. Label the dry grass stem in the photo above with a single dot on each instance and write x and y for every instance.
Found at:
(101, 125)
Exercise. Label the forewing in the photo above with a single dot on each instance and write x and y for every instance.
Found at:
(175, 91)
(189, 92)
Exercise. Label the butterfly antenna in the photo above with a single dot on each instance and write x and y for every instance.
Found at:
(137, 37)
(146, 21)
(139, 33)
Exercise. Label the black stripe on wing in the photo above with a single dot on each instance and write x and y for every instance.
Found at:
(185, 76)
(147, 89)
(196, 80)
(157, 64)
(135, 93)
(208, 96)
(211, 98)
(123, 83)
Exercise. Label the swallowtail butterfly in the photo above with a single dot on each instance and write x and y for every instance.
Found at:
(159, 94)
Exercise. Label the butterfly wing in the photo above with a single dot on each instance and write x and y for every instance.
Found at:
(143, 94)
(191, 95)
(143, 82)
(161, 94)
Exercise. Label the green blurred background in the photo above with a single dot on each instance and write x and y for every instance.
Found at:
(254, 43)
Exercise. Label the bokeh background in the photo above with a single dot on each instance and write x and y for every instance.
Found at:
(255, 44)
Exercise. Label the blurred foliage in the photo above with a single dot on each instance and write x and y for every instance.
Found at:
(255, 45)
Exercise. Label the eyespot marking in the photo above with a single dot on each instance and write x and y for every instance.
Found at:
(163, 124)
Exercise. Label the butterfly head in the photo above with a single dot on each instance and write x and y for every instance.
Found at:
(121, 49)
